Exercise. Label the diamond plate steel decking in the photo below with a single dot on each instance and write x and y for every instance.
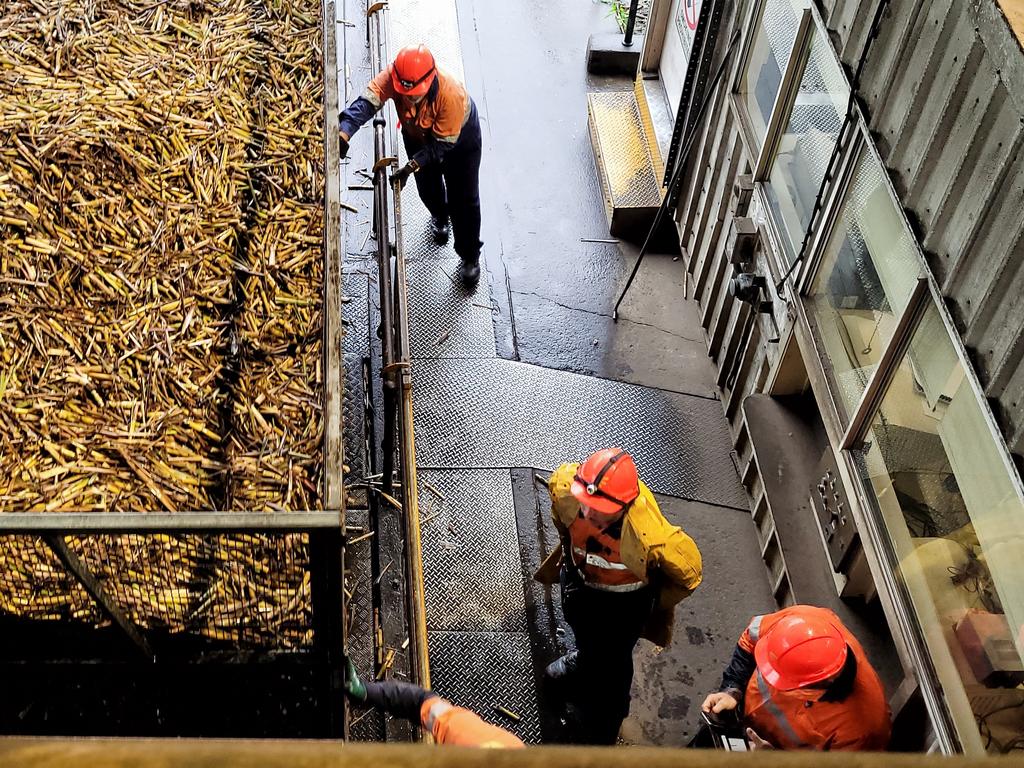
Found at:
(471, 564)
(499, 413)
(443, 320)
(484, 670)
(624, 155)
(360, 619)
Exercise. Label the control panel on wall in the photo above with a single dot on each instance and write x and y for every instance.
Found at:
(832, 511)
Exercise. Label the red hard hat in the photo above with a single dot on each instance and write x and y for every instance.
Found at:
(800, 651)
(414, 70)
(607, 482)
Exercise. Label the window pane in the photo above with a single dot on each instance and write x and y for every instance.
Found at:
(769, 54)
(806, 144)
(956, 521)
(868, 271)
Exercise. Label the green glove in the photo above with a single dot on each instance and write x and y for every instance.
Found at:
(354, 687)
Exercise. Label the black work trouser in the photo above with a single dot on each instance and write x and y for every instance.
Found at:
(607, 626)
(451, 188)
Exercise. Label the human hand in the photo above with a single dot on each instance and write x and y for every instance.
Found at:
(756, 742)
(402, 175)
(719, 702)
(342, 146)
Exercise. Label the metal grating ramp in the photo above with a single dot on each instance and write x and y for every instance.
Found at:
(499, 413)
(628, 162)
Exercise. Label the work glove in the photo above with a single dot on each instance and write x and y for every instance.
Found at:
(354, 687)
(342, 147)
(402, 175)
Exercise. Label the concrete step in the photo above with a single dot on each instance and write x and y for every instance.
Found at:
(628, 161)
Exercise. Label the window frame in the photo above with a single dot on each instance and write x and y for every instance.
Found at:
(786, 96)
(948, 732)
(752, 25)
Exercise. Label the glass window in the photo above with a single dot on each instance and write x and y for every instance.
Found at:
(868, 271)
(942, 485)
(769, 55)
(806, 144)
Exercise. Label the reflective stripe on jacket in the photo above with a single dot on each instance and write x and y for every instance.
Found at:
(650, 547)
(798, 719)
(449, 724)
(597, 556)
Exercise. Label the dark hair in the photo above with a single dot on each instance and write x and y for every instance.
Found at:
(842, 686)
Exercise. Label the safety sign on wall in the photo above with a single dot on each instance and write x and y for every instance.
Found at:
(686, 23)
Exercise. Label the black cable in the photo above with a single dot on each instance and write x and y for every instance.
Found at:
(677, 174)
(840, 145)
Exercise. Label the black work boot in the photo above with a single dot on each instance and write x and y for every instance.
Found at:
(440, 229)
(470, 271)
(562, 667)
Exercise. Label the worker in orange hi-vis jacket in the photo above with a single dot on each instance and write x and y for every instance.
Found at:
(802, 681)
(447, 723)
(441, 133)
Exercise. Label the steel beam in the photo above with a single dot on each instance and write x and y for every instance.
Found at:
(92, 585)
(78, 523)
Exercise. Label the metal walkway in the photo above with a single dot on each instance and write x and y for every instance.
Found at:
(484, 424)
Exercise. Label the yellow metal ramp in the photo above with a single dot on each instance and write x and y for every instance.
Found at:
(628, 161)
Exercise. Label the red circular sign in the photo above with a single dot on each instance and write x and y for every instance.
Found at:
(691, 9)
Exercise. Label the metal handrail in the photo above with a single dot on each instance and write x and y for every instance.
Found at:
(396, 359)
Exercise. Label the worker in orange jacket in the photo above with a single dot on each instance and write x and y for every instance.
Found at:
(622, 568)
(802, 681)
(447, 723)
(441, 133)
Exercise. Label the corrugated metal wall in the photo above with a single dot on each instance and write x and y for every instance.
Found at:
(944, 90)
(705, 209)
(944, 96)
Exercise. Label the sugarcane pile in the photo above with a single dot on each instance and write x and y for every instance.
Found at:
(160, 266)
(250, 590)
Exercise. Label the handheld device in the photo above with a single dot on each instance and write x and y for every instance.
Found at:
(727, 732)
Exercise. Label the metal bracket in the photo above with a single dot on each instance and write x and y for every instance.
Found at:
(742, 240)
(92, 585)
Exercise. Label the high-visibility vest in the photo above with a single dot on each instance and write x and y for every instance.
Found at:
(598, 559)
(449, 724)
(799, 719)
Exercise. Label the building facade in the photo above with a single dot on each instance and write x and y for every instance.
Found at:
(859, 266)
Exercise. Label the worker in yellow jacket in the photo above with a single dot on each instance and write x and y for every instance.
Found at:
(622, 568)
